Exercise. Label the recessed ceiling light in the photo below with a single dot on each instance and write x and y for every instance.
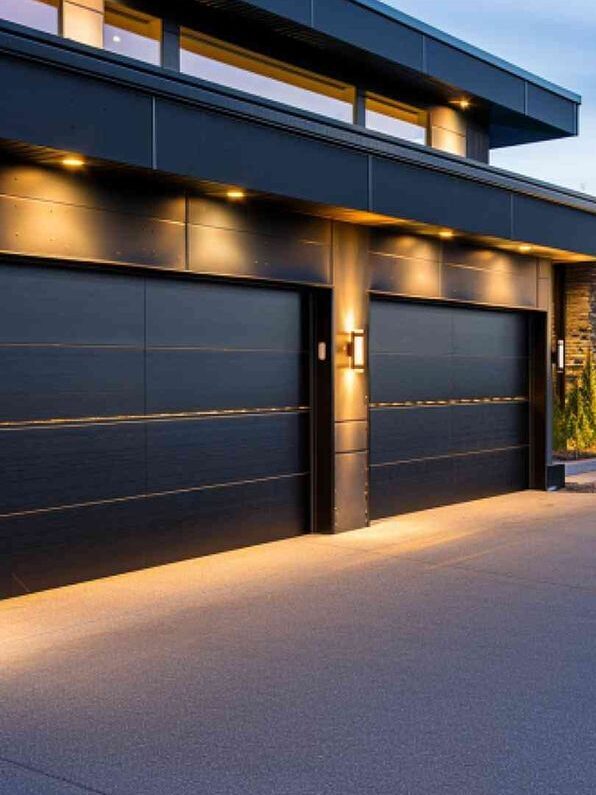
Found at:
(525, 248)
(72, 161)
(116, 39)
(236, 194)
(446, 234)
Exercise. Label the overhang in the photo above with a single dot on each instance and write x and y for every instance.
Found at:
(521, 107)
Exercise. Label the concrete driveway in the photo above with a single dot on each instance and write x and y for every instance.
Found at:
(451, 651)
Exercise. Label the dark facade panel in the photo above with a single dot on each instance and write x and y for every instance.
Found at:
(553, 225)
(48, 106)
(93, 188)
(552, 109)
(234, 253)
(229, 149)
(350, 498)
(54, 229)
(70, 307)
(351, 436)
(410, 328)
(259, 218)
(406, 191)
(48, 550)
(297, 10)
(48, 467)
(375, 33)
(467, 73)
(490, 287)
(405, 276)
(65, 382)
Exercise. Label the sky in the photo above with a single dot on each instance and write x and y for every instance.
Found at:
(555, 39)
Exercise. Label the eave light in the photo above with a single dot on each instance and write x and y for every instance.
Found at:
(446, 234)
(525, 248)
(73, 161)
(357, 350)
(236, 194)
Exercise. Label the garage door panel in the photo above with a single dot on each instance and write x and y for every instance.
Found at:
(200, 452)
(474, 440)
(485, 333)
(48, 467)
(422, 329)
(486, 474)
(486, 427)
(195, 380)
(488, 377)
(54, 383)
(99, 540)
(405, 433)
(396, 378)
(215, 316)
(70, 307)
(404, 487)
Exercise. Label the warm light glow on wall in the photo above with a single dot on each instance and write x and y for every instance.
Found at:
(72, 161)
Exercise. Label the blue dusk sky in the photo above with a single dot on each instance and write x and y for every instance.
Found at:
(553, 39)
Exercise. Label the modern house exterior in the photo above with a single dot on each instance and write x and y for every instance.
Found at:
(258, 278)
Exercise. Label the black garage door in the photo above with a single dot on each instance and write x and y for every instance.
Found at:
(146, 419)
(449, 405)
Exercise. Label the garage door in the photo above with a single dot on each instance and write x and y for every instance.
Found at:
(145, 420)
(449, 405)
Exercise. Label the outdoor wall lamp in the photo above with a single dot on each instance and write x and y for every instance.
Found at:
(561, 355)
(357, 350)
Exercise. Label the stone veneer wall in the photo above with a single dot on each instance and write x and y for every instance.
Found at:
(580, 317)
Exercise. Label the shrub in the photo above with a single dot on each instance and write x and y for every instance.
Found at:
(575, 425)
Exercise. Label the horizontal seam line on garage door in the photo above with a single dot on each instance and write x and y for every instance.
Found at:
(468, 454)
(450, 355)
(484, 401)
(149, 495)
(123, 347)
(138, 418)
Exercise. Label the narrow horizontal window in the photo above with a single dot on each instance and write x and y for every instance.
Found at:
(132, 33)
(38, 14)
(227, 65)
(396, 119)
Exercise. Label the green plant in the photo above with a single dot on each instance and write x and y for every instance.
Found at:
(575, 425)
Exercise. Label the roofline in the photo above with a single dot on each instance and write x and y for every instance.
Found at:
(445, 38)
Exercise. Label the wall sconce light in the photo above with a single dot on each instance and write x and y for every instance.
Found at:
(357, 350)
(561, 356)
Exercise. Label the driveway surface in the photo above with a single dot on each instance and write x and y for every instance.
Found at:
(450, 651)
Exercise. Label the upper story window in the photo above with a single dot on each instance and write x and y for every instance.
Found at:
(396, 119)
(127, 31)
(228, 65)
(38, 14)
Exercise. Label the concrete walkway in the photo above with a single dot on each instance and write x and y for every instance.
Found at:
(451, 651)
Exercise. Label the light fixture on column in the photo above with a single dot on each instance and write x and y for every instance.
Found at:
(561, 355)
(357, 350)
